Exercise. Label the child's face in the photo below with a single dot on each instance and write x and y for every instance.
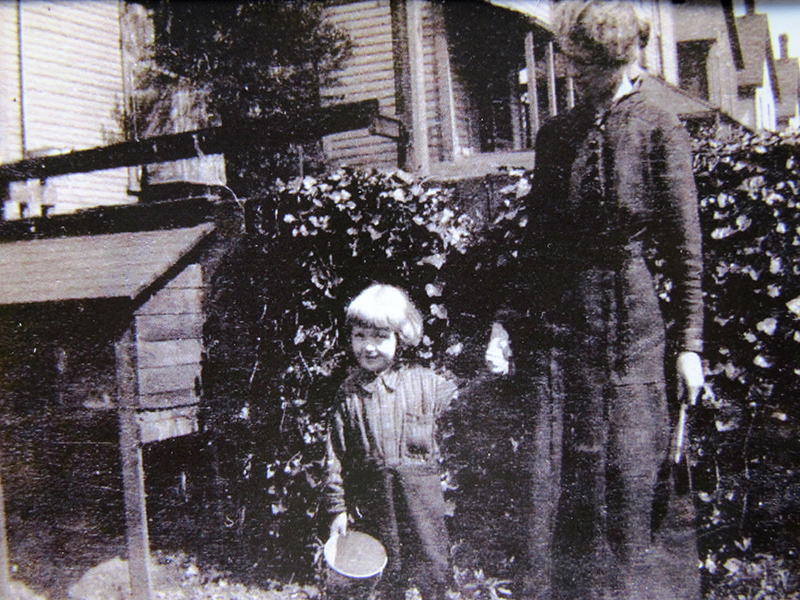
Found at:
(373, 347)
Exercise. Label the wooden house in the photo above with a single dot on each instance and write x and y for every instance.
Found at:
(462, 86)
(758, 80)
(709, 53)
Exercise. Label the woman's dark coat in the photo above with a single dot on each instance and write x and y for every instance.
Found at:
(613, 197)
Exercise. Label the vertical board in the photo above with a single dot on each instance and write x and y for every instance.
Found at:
(432, 24)
(130, 448)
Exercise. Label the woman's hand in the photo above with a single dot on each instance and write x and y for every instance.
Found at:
(498, 351)
(339, 525)
(690, 374)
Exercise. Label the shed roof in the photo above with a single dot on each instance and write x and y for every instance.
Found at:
(117, 265)
(679, 101)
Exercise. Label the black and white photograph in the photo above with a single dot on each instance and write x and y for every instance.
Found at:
(400, 300)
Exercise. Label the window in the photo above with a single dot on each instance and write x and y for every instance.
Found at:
(693, 67)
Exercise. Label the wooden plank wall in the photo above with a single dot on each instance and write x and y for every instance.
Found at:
(169, 334)
(70, 89)
(368, 74)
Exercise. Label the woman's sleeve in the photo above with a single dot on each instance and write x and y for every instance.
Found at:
(334, 489)
(518, 293)
(681, 239)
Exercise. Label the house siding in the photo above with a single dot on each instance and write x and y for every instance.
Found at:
(368, 74)
(10, 120)
(69, 56)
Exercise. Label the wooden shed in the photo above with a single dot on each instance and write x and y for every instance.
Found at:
(109, 322)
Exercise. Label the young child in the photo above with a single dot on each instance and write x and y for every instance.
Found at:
(383, 469)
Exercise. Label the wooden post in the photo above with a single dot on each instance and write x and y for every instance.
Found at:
(533, 94)
(419, 113)
(570, 93)
(551, 80)
(446, 110)
(5, 570)
(132, 468)
(513, 102)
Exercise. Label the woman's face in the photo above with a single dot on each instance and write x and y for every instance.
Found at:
(373, 347)
(595, 83)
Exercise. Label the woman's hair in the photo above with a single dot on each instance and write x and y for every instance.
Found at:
(600, 32)
(382, 305)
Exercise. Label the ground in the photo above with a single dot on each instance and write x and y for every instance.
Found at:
(174, 578)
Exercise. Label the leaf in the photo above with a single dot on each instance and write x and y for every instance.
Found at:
(455, 349)
(744, 545)
(733, 565)
(722, 232)
(794, 306)
(437, 260)
(768, 326)
(761, 361)
(433, 290)
(439, 311)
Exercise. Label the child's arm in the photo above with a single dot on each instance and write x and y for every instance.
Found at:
(441, 390)
(339, 524)
(335, 482)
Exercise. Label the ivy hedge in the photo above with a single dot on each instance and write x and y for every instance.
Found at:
(274, 341)
(747, 435)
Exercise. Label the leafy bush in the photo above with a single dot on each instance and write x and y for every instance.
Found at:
(763, 577)
(313, 245)
(747, 443)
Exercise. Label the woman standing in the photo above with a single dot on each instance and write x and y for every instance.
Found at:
(613, 186)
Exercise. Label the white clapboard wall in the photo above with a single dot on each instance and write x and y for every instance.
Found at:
(368, 74)
(61, 90)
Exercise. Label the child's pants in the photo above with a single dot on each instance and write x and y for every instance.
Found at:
(406, 511)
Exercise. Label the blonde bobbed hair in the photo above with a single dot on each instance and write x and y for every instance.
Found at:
(600, 32)
(382, 305)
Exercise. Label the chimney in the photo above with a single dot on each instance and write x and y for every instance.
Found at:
(750, 6)
(784, 41)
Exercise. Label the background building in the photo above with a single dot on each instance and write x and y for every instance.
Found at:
(461, 87)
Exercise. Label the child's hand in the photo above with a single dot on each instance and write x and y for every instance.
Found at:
(339, 525)
(498, 351)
